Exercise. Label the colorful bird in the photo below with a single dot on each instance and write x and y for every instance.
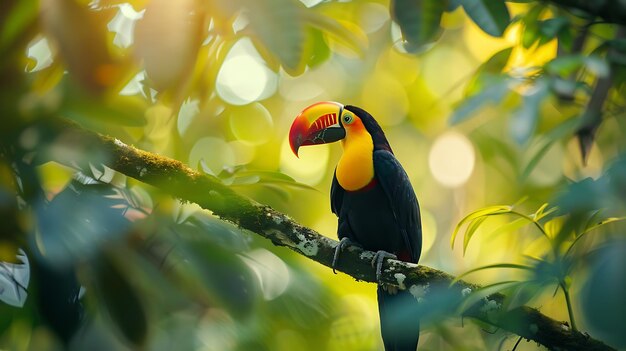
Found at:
(374, 202)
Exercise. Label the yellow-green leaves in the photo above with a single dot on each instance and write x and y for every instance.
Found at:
(474, 220)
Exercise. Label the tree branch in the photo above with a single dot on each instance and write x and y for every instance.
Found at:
(177, 179)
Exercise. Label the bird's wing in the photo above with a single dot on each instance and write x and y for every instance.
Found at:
(395, 183)
(336, 196)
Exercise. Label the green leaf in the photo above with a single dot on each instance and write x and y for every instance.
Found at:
(509, 227)
(530, 35)
(122, 302)
(565, 65)
(488, 72)
(277, 26)
(491, 266)
(269, 178)
(471, 229)
(531, 32)
(523, 294)
(16, 20)
(541, 213)
(524, 120)
(453, 5)
(217, 275)
(117, 109)
(492, 93)
(492, 16)
(330, 26)
(419, 21)
(591, 228)
(476, 214)
(319, 52)
(480, 294)
(496, 63)
(553, 26)
(547, 141)
(601, 295)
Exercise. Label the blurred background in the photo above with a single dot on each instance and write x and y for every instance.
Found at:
(518, 105)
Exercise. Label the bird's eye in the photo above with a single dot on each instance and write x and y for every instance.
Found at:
(347, 118)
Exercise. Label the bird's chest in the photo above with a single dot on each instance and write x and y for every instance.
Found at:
(371, 220)
(355, 169)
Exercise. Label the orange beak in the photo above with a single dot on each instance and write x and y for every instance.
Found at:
(317, 124)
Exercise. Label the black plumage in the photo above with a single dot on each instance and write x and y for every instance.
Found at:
(384, 216)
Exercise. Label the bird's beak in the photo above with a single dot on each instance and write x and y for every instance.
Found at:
(317, 124)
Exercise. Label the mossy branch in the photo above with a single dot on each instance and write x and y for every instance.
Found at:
(180, 181)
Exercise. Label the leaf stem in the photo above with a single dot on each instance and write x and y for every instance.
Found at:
(568, 302)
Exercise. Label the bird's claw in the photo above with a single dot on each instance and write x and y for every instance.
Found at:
(343, 243)
(377, 261)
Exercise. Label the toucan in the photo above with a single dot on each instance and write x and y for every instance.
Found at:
(375, 204)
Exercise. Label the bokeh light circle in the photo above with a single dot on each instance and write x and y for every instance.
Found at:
(429, 225)
(451, 159)
(251, 123)
(385, 98)
(216, 153)
(241, 80)
(271, 271)
(310, 167)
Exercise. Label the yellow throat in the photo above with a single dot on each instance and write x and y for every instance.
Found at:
(355, 169)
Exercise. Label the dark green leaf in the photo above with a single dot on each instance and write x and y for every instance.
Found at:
(553, 26)
(122, 302)
(222, 276)
(602, 294)
(531, 32)
(492, 16)
(530, 35)
(97, 216)
(453, 5)
(419, 21)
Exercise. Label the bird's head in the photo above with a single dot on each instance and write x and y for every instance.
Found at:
(326, 122)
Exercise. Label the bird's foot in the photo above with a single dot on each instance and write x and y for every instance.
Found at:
(343, 243)
(378, 259)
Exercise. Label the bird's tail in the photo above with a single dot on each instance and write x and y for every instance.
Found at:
(399, 325)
